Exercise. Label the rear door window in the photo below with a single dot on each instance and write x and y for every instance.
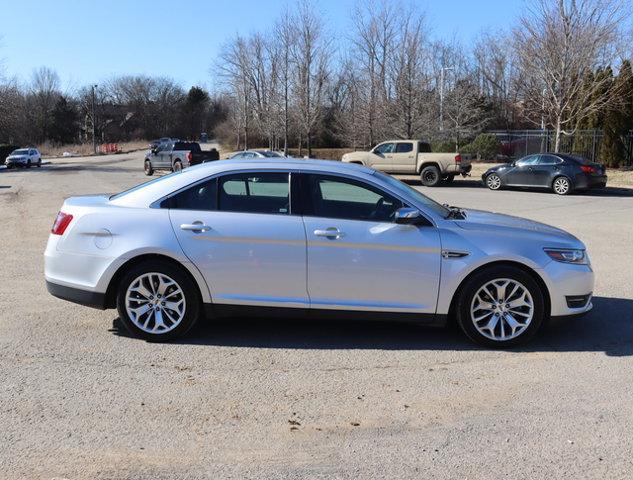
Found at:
(202, 196)
(404, 147)
(261, 192)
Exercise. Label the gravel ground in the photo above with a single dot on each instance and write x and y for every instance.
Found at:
(287, 399)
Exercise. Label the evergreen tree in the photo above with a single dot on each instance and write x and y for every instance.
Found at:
(194, 111)
(619, 119)
(64, 121)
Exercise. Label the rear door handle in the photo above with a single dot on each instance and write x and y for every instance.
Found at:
(331, 232)
(195, 227)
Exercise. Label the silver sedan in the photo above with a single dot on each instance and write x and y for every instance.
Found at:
(310, 238)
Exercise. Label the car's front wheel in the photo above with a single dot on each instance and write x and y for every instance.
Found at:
(500, 307)
(39, 162)
(157, 301)
(493, 181)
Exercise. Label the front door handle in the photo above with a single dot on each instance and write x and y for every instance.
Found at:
(195, 227)
(331, 232)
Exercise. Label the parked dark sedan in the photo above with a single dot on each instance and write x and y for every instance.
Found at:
(561, 173)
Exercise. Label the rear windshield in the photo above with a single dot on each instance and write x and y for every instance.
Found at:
(425, 147)
(20, 152)
(144, 184)
(191, 146)
(270, 154)
(574, 158)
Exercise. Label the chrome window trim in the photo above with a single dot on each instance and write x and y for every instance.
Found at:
(290, 171)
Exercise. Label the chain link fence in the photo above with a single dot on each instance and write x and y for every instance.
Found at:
(585, 143)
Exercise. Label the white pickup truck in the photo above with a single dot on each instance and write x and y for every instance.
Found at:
(413, 157)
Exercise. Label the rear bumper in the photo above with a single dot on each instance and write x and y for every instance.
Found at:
(76, 295)
(459, 169)
(591, 181)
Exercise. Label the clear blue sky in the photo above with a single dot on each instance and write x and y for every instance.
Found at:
(87, 41)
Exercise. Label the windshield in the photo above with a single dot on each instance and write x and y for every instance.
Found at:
(409, 191)
(20, 152)
(144, 184)
(270, 154)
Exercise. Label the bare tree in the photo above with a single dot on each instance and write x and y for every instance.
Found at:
(558, 43)
(373, 43)
(43, 95)
(234, 69)
(409, 77)
(310, 55)
(285, 34)
(495, 69)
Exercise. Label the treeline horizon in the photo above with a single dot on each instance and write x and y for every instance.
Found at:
(562, 66)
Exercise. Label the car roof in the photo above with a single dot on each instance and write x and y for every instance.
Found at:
(145, 194)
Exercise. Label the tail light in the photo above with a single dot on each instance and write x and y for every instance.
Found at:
(189, 156)
(458, 158)
(61, 223)
(588, 169)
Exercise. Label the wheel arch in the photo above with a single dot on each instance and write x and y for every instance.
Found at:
(423, 165)
(111, 291)
(502, 263)
(562, 175)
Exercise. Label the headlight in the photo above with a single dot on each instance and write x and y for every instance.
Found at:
(571, 255)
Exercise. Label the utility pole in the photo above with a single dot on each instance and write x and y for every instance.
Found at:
(442, 96)
(94, 121)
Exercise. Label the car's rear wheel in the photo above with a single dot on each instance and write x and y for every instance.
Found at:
(157, 301)
(28, 163)
(500, 307)
(39, 163)
(177, 166)
(561, 186)
(147, 168)
(493, 181)
(430, 176)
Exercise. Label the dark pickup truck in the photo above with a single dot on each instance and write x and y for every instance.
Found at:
(175, 156)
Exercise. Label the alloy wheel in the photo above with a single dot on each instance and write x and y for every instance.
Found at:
(561, 186)
(502, 309)
(155, 303)
(493, 182)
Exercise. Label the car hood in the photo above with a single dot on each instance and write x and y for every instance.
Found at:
(478, 220)
(16, 157)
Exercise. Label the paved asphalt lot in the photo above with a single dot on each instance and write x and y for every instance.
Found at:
(282, 399)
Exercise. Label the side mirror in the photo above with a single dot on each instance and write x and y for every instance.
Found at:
(409, 216)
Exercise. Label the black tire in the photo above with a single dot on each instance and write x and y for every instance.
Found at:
(448, 179)
(39, 163)
(147, 168)
(9, 166)
(465, 300)
(191, 295)
(177, 166)
(430, 176)
(493, 181)
(562, 185)
(28, 163)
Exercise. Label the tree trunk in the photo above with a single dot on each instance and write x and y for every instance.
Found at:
(558, 135)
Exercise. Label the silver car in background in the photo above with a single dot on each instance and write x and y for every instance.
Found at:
(310, 238)
(253, 154)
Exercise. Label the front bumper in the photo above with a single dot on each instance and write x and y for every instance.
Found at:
(567, 284)
(77, 295)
